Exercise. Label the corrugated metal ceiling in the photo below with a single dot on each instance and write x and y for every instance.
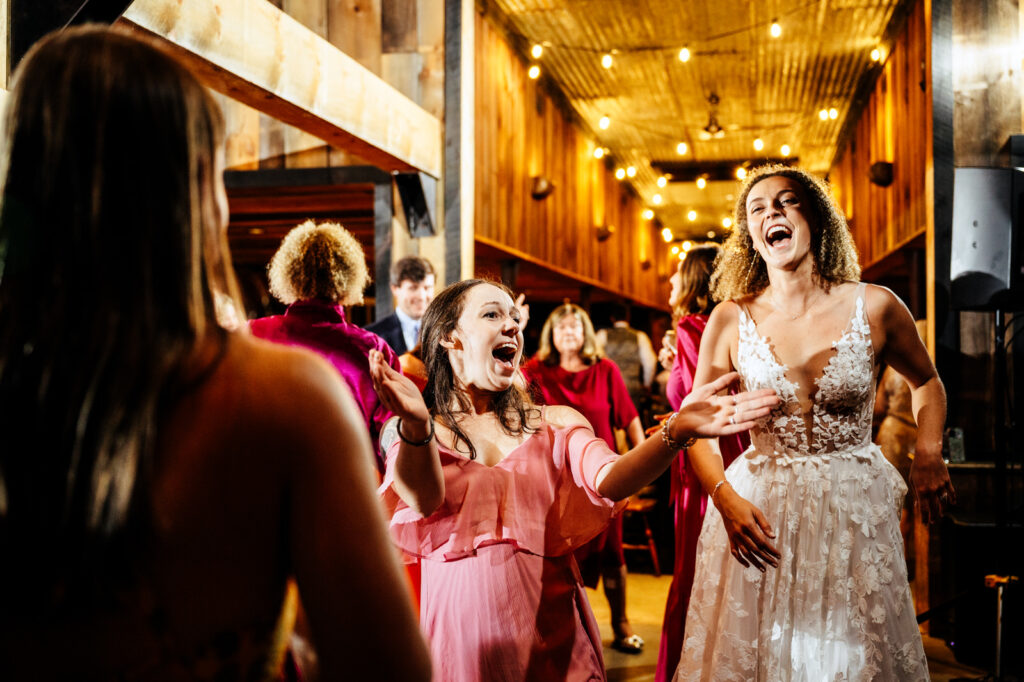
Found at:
(753, 85)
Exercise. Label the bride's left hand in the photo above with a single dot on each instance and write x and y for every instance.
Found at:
(706, 415)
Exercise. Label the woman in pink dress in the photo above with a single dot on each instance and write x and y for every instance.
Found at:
(569, 370)
(496, 493)
(691, 305)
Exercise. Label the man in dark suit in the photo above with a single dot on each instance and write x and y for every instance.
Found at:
(412, 285)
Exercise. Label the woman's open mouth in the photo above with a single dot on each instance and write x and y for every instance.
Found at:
(505, 354)
(778, 236)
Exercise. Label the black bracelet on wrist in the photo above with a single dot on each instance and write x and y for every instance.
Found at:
(417, 443)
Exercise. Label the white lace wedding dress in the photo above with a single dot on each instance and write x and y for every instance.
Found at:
(838, 606)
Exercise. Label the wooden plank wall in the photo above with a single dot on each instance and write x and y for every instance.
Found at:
(891, 128)
(520, 133)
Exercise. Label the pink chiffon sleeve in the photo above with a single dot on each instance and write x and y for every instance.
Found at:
(542, 498)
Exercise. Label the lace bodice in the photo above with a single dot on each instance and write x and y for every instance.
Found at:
(842, 403)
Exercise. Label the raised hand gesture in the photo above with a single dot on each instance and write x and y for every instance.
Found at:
(397, 392)
(706, 415)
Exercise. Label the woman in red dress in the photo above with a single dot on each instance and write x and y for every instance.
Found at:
(569, 370)
(691, 305)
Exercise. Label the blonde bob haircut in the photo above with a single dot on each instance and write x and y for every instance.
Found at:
(548, 354)
(740, 271)
(323, 262)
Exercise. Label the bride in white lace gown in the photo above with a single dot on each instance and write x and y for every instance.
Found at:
(800, 571)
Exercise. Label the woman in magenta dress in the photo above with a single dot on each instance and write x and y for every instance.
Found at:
(494, 493)
(691, 305)
(569, 370)
(317, 270)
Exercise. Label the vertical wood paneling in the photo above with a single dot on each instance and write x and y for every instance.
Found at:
(522, 132)
(891, 128)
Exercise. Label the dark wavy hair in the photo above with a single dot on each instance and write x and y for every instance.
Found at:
(113, 261)
(445, 398)
(740, 270)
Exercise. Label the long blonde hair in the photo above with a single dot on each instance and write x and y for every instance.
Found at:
(740, 270)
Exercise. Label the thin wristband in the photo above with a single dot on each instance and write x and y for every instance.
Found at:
(417, 443)
(717, 486)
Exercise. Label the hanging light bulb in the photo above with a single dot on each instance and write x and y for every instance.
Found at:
(833, 113)
(687, 245)
(631, 171)
(785, 149)
(701, 183)
(656, 200)
(741, 173)
(604, 123)
(647, 214)
(536, 51)
(606, 61)
(758, 144)
(599, 153)
(681, 149)
(876, 55)
(692, 216)
(620, 173)
(662, 181)
(682, 255)
(666, 234)
(776, 29)
(684, 54)
(711, 234)
(675, 250)
(534, 72)
(823, 114)
(727, 222)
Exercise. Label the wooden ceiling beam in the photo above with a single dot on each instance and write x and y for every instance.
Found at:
(255, 53)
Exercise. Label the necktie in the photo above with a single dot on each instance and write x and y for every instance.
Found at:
(415, 333)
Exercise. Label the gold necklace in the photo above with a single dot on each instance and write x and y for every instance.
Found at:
(791, 318)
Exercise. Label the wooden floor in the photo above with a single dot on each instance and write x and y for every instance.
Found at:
(645, 597)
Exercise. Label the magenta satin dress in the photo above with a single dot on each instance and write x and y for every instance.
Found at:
(599, 393)
(689, 500)
(501, 594)
(321, 327)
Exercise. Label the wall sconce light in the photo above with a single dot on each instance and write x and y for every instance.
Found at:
(541, 187)
(881, 173)
(604, 232)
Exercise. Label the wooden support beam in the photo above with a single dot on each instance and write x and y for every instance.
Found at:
(258, 55)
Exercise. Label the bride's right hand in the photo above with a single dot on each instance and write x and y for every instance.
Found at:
(397, 392)
(750, 534)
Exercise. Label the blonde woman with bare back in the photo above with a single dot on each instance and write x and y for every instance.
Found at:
(800, 572)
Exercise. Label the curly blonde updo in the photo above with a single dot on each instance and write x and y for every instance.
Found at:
(740, 270)
(322, 262)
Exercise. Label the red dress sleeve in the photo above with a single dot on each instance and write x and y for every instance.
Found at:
(688, 333)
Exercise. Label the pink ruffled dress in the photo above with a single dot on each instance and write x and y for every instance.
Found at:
(501, 595)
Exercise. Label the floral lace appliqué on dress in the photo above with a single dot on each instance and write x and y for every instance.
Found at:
(838, 606)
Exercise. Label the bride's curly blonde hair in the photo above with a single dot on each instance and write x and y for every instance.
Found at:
(739, 268)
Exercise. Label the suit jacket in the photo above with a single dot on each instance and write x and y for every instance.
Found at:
(390, 329)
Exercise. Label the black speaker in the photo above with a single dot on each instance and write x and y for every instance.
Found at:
(418, 193)
(32, 19)
(985, 255)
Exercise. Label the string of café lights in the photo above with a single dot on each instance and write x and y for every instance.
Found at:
(684, 55)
